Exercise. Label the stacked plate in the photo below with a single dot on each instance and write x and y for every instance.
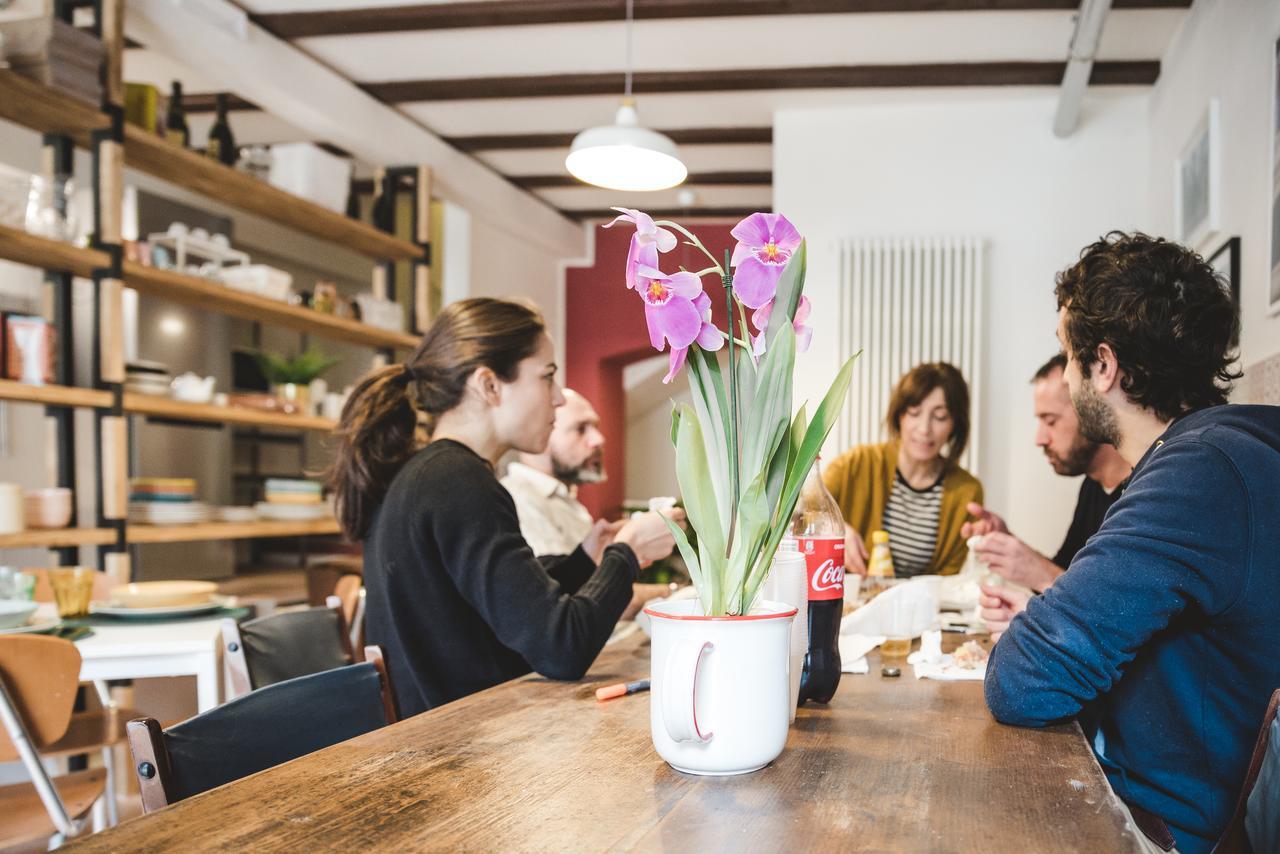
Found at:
(292, 512)
(162, 599)
(147, 378)
(284, 491)
(165, 501)
(153, 513)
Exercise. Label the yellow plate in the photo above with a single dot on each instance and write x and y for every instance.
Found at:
(161, 594)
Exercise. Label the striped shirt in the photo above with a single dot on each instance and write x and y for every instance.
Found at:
(911, 520)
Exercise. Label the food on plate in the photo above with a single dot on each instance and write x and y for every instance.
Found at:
(970, 656)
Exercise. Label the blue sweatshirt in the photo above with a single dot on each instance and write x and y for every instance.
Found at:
(1167, 627)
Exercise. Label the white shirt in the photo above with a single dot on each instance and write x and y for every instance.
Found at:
(552, 520)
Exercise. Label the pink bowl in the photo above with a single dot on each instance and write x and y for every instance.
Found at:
(48, 508)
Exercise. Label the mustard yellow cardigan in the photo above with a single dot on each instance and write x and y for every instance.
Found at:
(860, 480)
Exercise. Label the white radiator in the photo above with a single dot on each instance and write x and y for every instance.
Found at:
(905, 301)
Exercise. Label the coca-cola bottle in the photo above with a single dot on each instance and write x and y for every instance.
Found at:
(818, 529)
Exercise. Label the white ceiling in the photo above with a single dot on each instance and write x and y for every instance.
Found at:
(761, 42)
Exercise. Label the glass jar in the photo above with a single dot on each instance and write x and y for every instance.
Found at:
(50, 209)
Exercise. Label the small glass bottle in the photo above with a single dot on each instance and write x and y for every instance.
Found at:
(880, 566)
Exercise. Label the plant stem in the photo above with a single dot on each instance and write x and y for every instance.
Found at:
(734, 473)
(695, 242)
(746, 332)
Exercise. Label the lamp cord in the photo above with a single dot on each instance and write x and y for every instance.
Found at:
(630, 4)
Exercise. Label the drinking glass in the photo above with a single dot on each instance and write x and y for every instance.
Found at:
(72, 590)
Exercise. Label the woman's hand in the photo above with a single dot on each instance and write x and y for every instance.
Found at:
(999, 606)
(855, 552)
(602, 534)
(648, 536)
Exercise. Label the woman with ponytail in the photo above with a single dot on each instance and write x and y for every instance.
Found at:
(455, 595)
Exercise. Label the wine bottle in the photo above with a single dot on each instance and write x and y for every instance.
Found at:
(175, 123)
(222, 144)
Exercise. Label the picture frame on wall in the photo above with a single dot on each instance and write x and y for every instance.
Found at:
(1197, 182)
(1273, 289)
(1225, 261)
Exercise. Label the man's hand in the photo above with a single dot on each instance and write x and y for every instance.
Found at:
(855, 552)
(1011, 558)
(985, 522)
(649, 536)
(602, 533)
(999, 605)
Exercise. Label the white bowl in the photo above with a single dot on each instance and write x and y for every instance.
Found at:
(15, 612)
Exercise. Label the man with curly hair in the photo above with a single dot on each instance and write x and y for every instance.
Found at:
(1164, 634)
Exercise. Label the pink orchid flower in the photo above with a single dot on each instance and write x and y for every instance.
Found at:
(765, 244)
(646, 243)
(760, 320)
(678, 313)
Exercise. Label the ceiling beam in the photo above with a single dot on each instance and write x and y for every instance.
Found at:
(507, 13)
(705, 179)
(1138, 73)
(666, 213)
(682, 136)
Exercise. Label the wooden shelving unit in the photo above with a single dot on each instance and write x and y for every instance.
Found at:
(163, 407)
(54, 395)
(58, 538)
(227, 531)
(212, 296)
(155, 156)
(32, 105)
(46, 111)
(22, 248)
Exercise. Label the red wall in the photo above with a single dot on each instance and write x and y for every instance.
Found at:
(605, 331)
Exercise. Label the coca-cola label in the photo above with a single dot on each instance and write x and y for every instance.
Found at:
(824, 558)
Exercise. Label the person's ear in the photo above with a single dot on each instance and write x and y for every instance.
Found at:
(485, 385)
(1106, 370)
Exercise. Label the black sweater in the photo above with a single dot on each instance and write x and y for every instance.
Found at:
(457, 598)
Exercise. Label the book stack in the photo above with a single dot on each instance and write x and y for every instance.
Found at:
(293, 500)
(165, 501)
(70, 61)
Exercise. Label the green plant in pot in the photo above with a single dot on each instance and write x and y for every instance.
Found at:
(291, 377)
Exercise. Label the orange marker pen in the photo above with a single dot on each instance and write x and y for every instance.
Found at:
(622, 689)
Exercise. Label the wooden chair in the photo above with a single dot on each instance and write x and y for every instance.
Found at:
(1255, 825)
(38, 681)
(260, 730)
(350, 592)
(101, 729)
(323, 577)
(285, 646)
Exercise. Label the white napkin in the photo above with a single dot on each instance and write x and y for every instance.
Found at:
(931, 662)
(854, 649)
(914, 603)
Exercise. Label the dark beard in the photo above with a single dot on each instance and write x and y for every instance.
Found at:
(1097, 421)
(576, 475)
(1077, 460)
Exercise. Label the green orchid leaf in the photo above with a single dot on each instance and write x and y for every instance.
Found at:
(708, 404)
(690, 556)
(696, 485)
(773, 401)
(787, 297)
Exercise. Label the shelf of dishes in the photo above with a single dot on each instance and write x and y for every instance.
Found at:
(67, 537)
(57, 539)
(161, 407)
(42, 108)
(212, 296)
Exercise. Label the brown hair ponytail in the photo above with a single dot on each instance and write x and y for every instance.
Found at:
(377, 433)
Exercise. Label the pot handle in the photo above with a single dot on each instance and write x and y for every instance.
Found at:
(680, 691)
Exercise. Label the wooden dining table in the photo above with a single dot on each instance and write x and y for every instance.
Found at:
(891, 764)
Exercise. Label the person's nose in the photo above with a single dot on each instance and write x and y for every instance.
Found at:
(558, 398)
(1042, 436)
(595, 439)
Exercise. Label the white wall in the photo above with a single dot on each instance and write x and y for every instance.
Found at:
(988, 165)
(504, 265)
(1224, 51)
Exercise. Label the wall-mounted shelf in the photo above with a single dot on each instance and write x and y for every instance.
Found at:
(227, 531)
(58, 538)
(42, 109)
(156, 156)
(22, 248)
(54, 395)
(212, 296)
(163, 407)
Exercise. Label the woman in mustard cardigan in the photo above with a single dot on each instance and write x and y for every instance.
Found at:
(911, 486)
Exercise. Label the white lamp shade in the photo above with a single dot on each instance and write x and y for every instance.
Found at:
(624, 156)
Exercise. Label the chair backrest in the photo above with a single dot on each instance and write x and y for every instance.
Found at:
(1262, 812)
(348, 590)
(284, 646)
(1257, 812)
(40, 675)
(260, 730)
